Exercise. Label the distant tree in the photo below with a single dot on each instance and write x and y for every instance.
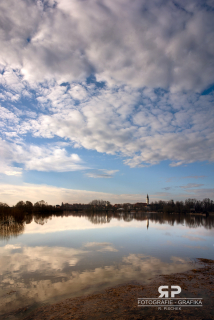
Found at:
(206, 204)
(28, 207)
(29, 204)
(20, 204)
(99, 203)
(40, 203)
(179, 207)
(4, 208)
(190, 203)
(4, 205)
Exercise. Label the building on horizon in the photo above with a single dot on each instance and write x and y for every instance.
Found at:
(140, 205)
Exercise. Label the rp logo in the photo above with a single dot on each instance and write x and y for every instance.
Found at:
(166, 293)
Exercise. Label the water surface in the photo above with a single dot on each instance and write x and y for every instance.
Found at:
(47, 259)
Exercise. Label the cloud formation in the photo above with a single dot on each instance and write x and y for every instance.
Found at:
(118, 77)
(33, 157)
(140, 43)
(11, 194)
(143, 126)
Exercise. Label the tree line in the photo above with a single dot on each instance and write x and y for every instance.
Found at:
(190, 205)
(179, 207)
(24, 208)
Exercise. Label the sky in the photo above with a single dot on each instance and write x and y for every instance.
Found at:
(106, 99)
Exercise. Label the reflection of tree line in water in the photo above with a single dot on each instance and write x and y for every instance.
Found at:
(13, 219)
(14, 225)
(10, 227)
(172, 219)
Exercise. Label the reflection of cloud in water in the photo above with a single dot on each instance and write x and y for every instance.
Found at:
(192, 238)
(40, 259)
(100, 246)
(196, 247)
(39, 274)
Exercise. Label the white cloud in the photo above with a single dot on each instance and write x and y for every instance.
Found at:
(32, 157)
(8, 121)
(41, 159)
(138, 49)
(6, 166)
(101, 173)
(110, 122)
(11, 194)
(141, 43)
(78, 92)
(54, 195)
(12, 171)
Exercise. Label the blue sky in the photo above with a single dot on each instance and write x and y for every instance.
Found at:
(106, 100)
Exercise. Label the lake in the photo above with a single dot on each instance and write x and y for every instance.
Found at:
(47, 259)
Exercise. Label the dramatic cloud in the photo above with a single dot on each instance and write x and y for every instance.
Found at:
(164, 126)
(130, 79)
(155, 43)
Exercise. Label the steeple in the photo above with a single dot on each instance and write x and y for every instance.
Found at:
(147, 199)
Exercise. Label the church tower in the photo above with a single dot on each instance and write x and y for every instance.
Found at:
(147, 200)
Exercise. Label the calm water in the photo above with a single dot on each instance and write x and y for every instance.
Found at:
(43, 260)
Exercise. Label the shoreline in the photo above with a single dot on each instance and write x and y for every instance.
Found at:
(121, 301)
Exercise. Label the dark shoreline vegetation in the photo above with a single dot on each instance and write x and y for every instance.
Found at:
(189, 206)
(13, 219)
